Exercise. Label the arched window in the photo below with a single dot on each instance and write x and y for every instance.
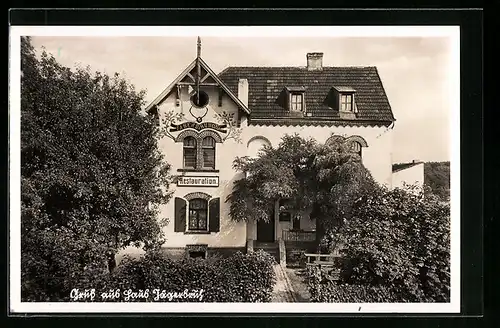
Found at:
(198, 214)
(356, 148)
(256, 144)
(189, 152)
(208, 146)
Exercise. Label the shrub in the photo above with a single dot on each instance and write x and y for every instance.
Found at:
(325, 287)
(401, 241)
(297, 258)
(239, 278)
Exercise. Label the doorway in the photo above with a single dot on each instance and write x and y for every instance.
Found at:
(265, 230)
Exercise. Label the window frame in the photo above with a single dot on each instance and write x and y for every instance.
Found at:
(347, 95)
(195, 150)
(300, 95)
(210, 147)
(198, 210)
(200, 138)
(354, 145)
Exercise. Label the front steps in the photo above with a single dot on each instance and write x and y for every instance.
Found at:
(269, 247)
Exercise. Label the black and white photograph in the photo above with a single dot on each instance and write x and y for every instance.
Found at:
(214, 169)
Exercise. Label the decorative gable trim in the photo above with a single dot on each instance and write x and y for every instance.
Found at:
(186, 72)
(316, 121)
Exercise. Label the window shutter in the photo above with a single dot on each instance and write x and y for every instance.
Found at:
(180, 215)
(214, 213)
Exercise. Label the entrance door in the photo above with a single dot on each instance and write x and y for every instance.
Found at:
(265, 230)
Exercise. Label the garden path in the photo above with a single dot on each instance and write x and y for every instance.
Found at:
(283, 290)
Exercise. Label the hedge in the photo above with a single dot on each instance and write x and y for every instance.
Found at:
(155, 277)
(326, 287)
(398, 239)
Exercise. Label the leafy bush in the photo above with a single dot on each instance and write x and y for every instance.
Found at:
(297, 258)
(401, 241)
(239, 278)
(326, 287)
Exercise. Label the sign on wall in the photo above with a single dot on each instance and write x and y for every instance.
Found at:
(198, 181)
(198, 126)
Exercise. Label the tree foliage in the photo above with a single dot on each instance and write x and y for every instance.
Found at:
(324, 178)
(437, 178)
(399, 239)
(92, 175)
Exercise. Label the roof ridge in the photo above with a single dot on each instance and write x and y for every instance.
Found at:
(291, 67)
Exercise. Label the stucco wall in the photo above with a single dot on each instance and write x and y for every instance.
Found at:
(377, 157)
(231, 234)
(411, 175)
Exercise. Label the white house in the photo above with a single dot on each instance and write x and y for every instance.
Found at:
(266, 103)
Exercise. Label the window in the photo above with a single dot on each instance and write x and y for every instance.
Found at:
(198, 210)
(199, 99)
(284, 216)
(208, 146)
(346, 103)
(189, 152)
(356, 148)
(198, 150)
(297, 102)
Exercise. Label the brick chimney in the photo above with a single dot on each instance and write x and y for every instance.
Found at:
(243, 91)
(315, 61)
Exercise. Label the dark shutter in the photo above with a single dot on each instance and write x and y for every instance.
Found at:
(180, 215)
(214, 213)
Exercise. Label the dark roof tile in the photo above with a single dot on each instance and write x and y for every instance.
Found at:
(266, 83)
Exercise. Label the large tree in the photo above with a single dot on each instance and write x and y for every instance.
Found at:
(324, 178)
(92, 174)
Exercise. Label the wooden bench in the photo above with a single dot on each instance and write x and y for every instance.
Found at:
(328, 262)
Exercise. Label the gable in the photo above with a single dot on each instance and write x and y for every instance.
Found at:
(190, 76)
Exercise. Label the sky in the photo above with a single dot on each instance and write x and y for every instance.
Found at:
(413, 70)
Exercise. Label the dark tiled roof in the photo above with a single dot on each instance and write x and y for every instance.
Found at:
(267, 83)
(402, 166)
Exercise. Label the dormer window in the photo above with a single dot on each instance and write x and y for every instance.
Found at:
(346, 102)
(342, 99)
(297, 103)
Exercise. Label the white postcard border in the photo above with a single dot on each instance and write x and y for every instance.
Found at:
(16, 306)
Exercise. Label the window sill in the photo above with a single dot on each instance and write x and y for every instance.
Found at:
(197, 232)
(197, 170)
